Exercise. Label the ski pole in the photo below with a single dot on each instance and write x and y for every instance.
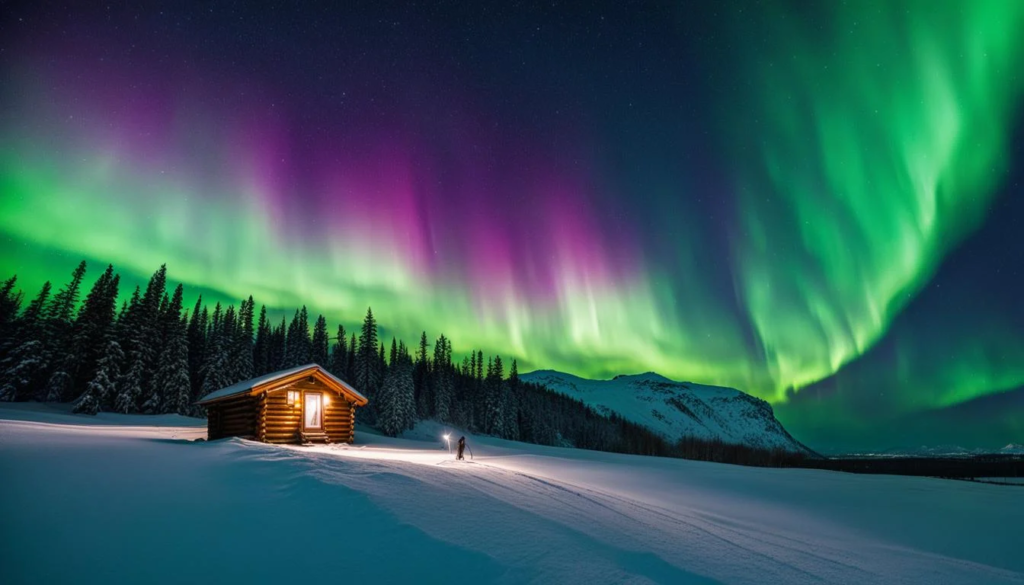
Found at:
(470, 451)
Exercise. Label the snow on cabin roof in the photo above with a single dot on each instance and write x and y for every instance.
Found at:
(247, 385)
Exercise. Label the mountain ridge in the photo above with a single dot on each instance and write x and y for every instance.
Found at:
(678, 410)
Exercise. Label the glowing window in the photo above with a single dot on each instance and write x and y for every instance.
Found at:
(313, 411)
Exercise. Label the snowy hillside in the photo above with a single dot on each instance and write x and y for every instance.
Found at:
(101, 503)
(678, 409)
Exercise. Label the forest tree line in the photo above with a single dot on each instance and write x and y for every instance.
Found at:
(153, 355)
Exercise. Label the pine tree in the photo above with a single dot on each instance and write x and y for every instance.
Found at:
(442, 380)
(394, 351)
(403, 351)
(321, 346)
(291, 342)
(421, 374)
(171, 380)
(242, 343)
(510, 403)
(215, 369)
(298, 346)
(367, 368)
(130, 386)
(170, 322)
(261, 350)
(149, 327)
(62, 308)
(128, 322)
(95, 324)
(102, 387)
(10, 303)
(197, 331)
(472, 366)
(350, 360)
(339, 355)
(22, 366)
(130, 331)
(55, 358)
(495, 398)
(396, 400)
(278, 342)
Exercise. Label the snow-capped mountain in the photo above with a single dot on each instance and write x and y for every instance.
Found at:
(677, 409)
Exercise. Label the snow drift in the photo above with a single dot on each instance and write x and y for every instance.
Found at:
(102, 503)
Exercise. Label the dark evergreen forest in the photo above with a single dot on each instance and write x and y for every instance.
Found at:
(153, 355)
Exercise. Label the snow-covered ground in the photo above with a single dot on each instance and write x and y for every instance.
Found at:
(87, 500)
(677, 409)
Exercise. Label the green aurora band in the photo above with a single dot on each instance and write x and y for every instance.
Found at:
(882, 139)
(860, 153)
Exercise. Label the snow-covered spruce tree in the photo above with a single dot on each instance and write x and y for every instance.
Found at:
(128, 322)
(129, 386)
(367, 370)
(241, 350)
(261, 348)
(298, 346)
(55, 358)
(129, 331)
(60, 383)
(215, 370)
(381, 405)
(100, 390)
(149, 325)
(320, 345)
(172, 377)
(406, 394)
(421, 378)
(339, 355)
(10, 304)
(94, 325)
(396, 406)
(278, 347)
(494, 396)
(512, 406)
(22, 365)
(197, 331)
(155, 401)
(441, 380)
(291, 342)
(350, 359)
(170, 315)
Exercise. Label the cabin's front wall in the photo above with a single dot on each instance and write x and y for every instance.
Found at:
(281, 420)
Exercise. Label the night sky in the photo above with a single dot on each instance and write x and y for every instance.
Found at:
(819, 203)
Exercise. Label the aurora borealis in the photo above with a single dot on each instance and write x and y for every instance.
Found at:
(817, 203)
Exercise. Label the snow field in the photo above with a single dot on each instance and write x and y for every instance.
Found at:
(85, 502)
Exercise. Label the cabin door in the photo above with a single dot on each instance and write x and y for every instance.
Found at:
(313, 417)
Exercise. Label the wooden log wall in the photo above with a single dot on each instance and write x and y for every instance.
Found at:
(339, 419)
(269, 417)
(279, 421)
(232, 418)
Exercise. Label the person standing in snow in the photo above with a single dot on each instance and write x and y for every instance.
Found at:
(462, 447)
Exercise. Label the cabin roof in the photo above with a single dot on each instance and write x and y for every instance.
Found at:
(256, 384)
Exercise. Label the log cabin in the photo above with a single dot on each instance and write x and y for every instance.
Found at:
(305, 404)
